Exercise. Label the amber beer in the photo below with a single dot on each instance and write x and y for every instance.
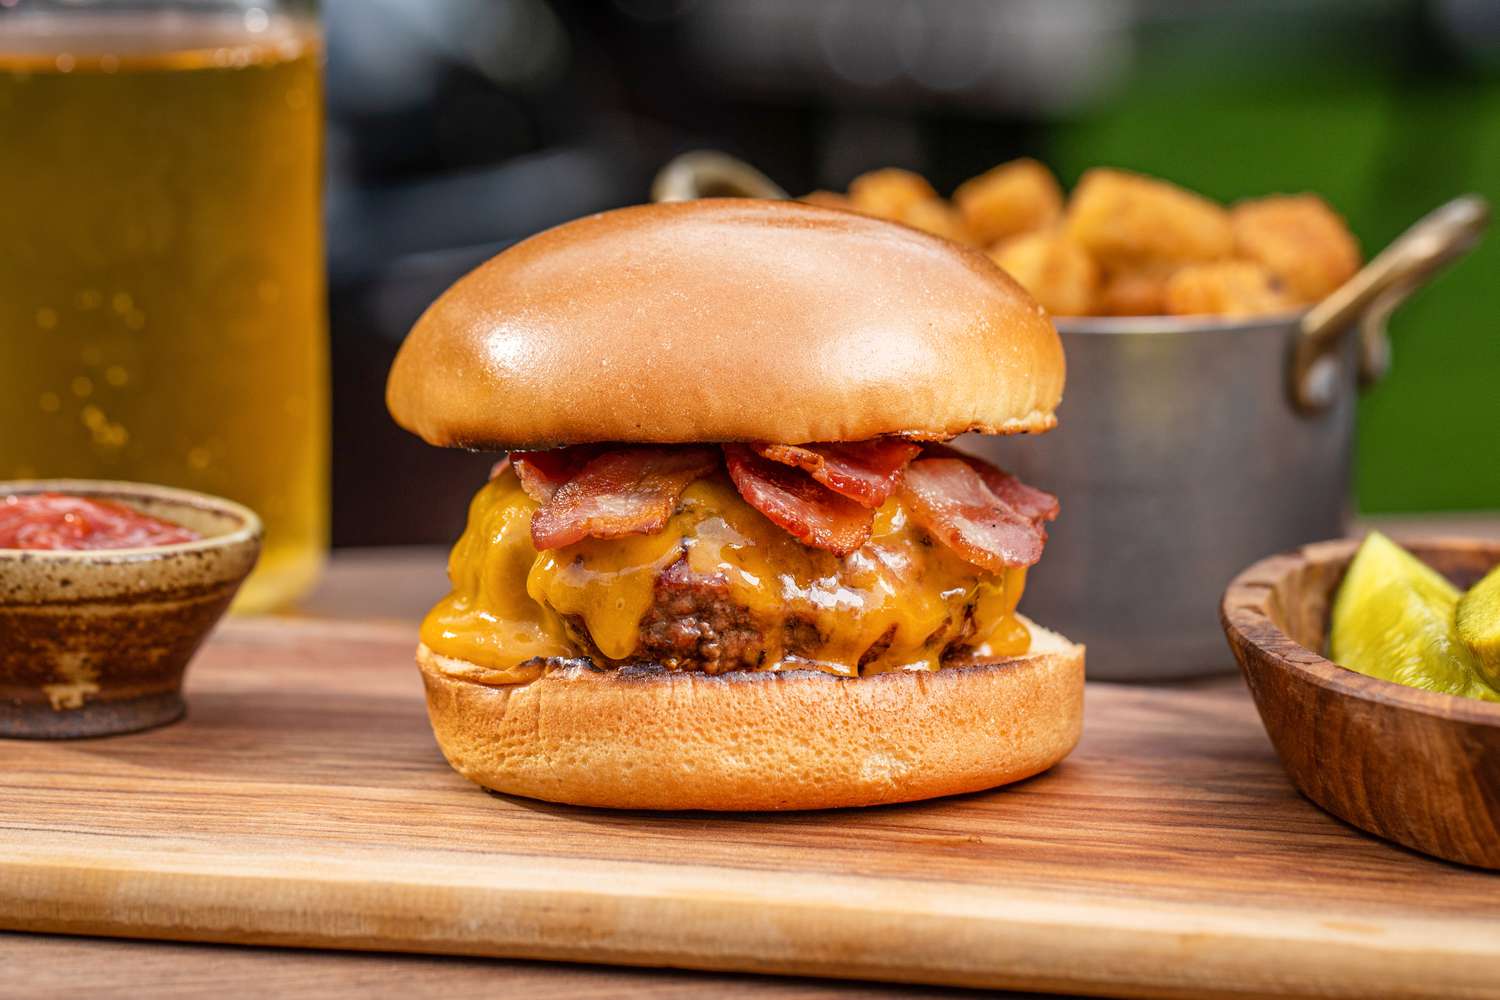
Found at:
(161, 264)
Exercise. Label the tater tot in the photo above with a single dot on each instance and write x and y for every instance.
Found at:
(890, 192)
(902, 196)
(1127, 221)
(936, 216)
(1134, 292)
(1055, 270)
(828, 199)
(1013, 198)
(1225, 288)
(1300, 239)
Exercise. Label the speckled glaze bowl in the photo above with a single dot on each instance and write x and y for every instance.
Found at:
(96, 642)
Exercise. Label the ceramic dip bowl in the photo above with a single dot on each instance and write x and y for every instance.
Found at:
(95, 642)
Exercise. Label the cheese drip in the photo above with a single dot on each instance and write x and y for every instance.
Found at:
(509, 601)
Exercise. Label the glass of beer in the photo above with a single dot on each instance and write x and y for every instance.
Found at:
(162, 300)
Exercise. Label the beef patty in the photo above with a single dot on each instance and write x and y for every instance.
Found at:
(694, 624)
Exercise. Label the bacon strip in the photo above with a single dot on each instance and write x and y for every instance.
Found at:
(625, 491)
(866, 472)
(1028, 501)
(950, 499)
(543, 473)
(808, 510)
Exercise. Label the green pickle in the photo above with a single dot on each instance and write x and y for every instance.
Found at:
(1478, 620)
(1393, 619)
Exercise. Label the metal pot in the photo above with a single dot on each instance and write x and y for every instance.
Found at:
(1188, 448)
(1179, 460)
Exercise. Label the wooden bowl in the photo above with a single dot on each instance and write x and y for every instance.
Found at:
(1416, 767)
(96, 642)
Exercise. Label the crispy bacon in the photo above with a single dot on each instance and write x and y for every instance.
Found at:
(498, 469)
(624, 491)
(543, 473)
(808, 510)
(866, 472)
(822, 494)
(1028, 501)
(950, 499)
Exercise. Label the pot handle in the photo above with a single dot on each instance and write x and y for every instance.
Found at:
(1372, 295)
(708, 174)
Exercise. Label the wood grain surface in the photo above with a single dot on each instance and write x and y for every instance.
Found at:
(304, 803)
(42, 965)
(1418, 767)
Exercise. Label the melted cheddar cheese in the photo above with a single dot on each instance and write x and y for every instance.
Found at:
(509, 601)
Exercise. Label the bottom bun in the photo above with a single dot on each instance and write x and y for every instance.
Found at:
(657, 739)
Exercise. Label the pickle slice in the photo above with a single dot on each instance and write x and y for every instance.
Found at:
(1478, 621)
(1393, 619)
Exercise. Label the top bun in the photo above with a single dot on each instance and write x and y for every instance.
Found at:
(727, 320)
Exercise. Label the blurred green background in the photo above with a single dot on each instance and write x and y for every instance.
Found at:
(1386, 126)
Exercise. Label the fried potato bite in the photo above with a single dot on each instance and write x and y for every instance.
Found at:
(1128, 221)
(1054, 269)
(890, 192)
(1134, 292)
(903, 196)
(1300, 239)
(828, 199)
(1225, 288)
(936, 217)
(1013, 198)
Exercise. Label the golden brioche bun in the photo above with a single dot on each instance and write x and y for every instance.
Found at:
(727, 320)
(654, 739)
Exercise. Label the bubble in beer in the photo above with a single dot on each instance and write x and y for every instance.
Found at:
(111, 435)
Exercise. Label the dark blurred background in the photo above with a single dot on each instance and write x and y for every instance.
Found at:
(459, 126)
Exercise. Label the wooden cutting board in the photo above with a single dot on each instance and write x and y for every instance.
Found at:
(303, 802)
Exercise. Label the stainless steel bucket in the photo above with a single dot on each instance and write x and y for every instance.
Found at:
(1179, 460)
(1187, 448)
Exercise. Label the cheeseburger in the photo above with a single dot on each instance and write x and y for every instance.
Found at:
(730, 561)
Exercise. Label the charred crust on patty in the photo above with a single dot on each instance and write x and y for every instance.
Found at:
(646, 672)
(694, 624)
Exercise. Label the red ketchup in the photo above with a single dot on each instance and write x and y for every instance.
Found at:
(57, 521)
